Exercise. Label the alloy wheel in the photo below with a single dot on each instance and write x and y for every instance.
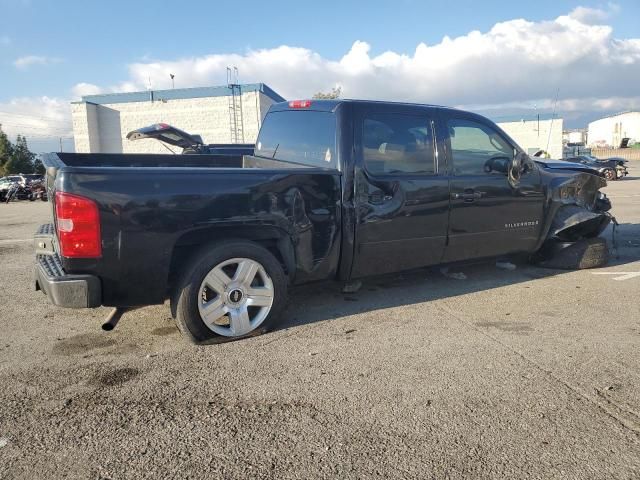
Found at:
(235, 297)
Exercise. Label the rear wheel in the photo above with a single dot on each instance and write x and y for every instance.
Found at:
(610, 174)
(230, 290)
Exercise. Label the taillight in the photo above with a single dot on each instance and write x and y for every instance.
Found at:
(78, 223)
(300, 104)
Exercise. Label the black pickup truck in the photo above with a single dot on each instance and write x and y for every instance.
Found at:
(332, 190)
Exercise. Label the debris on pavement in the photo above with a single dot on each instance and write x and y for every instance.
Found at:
(352, 287)
(455, 275)
(504, 265)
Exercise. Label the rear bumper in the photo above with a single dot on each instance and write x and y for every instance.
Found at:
(64, 290)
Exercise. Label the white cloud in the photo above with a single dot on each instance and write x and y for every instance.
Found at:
(40, 119)
(590, 16)
(30, 60)
(515, 61)
(81, 89)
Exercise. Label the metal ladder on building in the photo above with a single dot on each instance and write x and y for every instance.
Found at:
(236, 122)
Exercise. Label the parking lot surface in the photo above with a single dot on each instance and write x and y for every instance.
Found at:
(505, 374)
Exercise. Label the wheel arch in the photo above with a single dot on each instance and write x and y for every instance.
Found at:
(274, 239)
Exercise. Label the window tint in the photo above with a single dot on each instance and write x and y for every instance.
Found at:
(397, 143)
(478, 149)
(305, 137)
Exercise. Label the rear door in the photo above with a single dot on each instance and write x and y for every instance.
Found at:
(402, 197)
(490, 215)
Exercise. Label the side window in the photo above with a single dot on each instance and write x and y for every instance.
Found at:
(478, 149)
(397, 143)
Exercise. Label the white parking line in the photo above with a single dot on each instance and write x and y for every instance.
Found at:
(621, 275)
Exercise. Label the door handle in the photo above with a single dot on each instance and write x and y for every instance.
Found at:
(468, 196)
(378, 198)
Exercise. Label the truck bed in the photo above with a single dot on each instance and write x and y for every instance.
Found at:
(155, 210)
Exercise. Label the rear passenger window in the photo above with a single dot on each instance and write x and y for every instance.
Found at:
(395, 143)
(478, 149)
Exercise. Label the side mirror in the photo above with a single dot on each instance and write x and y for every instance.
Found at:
(516, 167)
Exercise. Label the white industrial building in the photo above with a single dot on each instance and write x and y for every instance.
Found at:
(609, 131)
(533, 135)
(223, 114)
(226, 114)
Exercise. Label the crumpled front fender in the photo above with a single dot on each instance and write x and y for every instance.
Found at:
(571, 223)
(577, 207)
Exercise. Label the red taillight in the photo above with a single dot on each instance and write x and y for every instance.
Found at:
(78, 223)
(299, 103)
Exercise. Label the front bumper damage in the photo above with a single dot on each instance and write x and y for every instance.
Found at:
(577, 210)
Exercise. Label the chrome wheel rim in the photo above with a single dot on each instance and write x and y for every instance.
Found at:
(609, 174)
(235, 297)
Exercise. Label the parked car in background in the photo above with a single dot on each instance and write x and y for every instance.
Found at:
(7, 183)
(613, 168)
(189, 143)
(27, 186)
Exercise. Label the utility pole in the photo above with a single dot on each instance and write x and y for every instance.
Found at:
(173, 84)
(60, 144)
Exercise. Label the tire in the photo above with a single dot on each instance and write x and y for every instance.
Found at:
(214, 283)
(610, 174)
(586, 253)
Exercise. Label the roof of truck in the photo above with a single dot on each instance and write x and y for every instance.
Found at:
(331, 104)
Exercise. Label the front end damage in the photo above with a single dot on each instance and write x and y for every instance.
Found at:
(576, 210)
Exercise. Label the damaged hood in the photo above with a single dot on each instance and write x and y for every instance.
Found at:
(571, 166)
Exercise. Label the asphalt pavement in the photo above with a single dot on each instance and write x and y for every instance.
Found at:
(525, 373)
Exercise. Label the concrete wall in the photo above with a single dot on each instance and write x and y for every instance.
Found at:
(609, 131)
(105, 130)
(84, 117)
(530, 138)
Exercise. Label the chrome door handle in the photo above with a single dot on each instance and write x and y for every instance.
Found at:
(468, 196)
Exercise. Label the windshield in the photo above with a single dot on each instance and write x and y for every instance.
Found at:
(299, 136)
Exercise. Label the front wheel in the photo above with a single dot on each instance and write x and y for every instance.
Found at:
(585, 253)
(610, 174)
(228, 291)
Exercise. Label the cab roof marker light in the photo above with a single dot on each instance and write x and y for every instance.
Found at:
(299, 103)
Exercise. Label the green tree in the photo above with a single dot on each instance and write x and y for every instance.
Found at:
(21, 159)
(38, 166)
(334, 93)
(6, 151)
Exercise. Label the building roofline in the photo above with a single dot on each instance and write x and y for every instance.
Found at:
(615, 115)
(178, 94)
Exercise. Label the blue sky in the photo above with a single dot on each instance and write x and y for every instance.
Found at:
(48, 48)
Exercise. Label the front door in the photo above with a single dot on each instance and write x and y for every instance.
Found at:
(402, 197)
(490, 215)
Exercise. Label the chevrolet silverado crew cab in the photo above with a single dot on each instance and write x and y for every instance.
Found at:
(332, 190)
